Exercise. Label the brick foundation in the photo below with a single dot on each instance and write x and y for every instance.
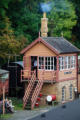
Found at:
(56, 89)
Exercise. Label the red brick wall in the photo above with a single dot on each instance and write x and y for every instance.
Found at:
(6, 87)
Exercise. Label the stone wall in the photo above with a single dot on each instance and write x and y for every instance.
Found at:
(67, 92)
(56, 89)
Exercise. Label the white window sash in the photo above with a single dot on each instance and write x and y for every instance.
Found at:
(67, 62)
(47, 61)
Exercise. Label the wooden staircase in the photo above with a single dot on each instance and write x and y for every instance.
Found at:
(32, 92)
(29, 88)
(28, 106)
(36, 93)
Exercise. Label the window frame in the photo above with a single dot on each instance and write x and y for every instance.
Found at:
(71, 92)
(48, 63)
(63, 93)
(68, 62)
(40, 58)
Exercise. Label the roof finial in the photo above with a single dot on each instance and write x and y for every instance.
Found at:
(62, 35)
(39, 33)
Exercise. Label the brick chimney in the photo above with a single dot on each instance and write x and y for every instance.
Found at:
(44, 28)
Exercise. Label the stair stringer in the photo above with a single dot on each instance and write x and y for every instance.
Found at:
(28, 89)
(36, 93)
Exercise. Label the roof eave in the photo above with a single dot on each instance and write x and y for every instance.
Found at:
(39, 40)
(69, 52)
(29, 46)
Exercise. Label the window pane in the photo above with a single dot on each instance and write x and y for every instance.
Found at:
(61, 63)
(49, 63)
(63, 94)
(68, 61)
(71, 90)
(48, 58)
(51, 67)
(41, 62)
(48, 67)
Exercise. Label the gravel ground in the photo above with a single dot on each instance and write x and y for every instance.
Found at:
(28, 114)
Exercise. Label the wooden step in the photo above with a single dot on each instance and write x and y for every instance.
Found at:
(28, 106)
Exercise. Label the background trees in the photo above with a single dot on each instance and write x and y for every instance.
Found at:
(20, 23)
(76, 28)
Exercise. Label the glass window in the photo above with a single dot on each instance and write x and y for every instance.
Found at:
(71, 91)
(63, 93)
(67, 62)
(73, 61)
(41, 62)
(61, 63)
(47, 63)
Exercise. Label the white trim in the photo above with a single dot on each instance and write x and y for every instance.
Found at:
(64, 61)
(46, 60)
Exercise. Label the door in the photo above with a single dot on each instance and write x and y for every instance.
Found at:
(34, 64)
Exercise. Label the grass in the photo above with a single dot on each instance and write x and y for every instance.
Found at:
(18, 105)
(5, 116)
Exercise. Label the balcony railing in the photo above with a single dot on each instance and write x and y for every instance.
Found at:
(48, 76)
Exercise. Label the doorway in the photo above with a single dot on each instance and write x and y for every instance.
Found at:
(34, 64)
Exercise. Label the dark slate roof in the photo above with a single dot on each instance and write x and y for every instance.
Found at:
(60, 44)
(68, 111)
(3, 71)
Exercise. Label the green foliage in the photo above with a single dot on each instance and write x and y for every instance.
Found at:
(6, 116)
(76, 29)
(20, 22)
(18, 104)
(8, 44)
(62, 18)
(25, 18)
(3, 7)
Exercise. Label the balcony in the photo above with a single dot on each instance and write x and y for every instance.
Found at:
(47, 76)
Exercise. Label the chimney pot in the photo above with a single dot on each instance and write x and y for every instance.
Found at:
(44, 15)
(44, 28)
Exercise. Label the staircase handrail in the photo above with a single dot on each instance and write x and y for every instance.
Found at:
(37, 90)
(29, 88)
(36, 93)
